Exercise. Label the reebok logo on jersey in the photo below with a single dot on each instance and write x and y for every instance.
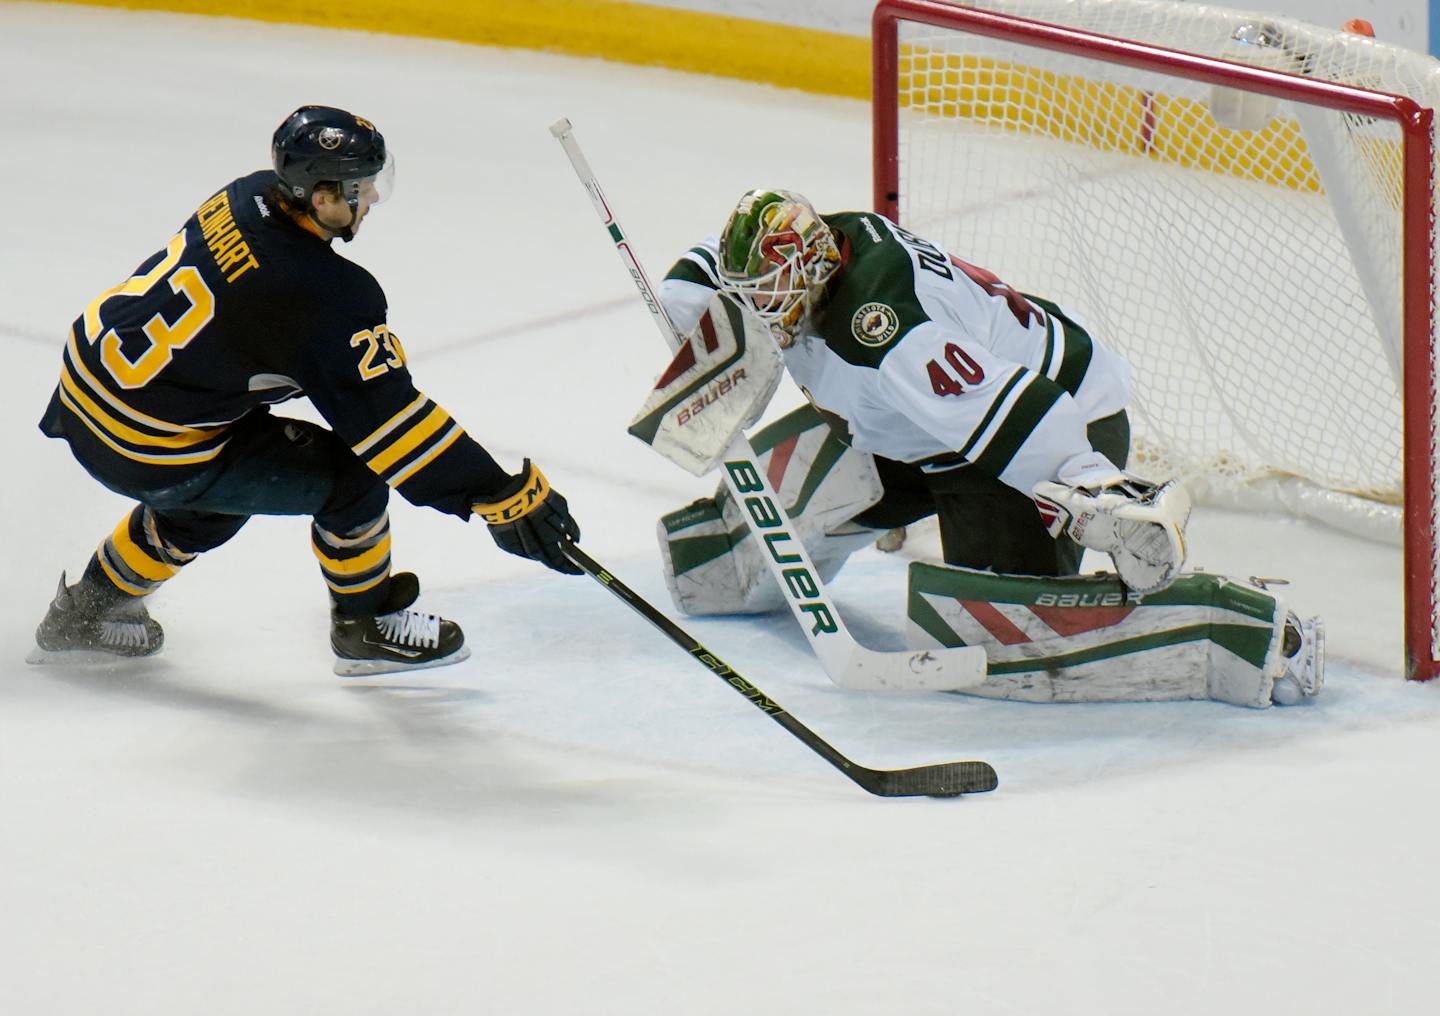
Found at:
(874, 324)
(264, 208)
(870, 228)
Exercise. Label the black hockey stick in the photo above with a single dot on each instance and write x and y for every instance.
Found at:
(944, 779)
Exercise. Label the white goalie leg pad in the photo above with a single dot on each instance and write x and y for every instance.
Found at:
(1089, 639)
(719, 382)
(1141, 525)
(712, 560)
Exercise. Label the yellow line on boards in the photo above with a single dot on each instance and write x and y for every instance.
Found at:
(1155, 127)
(828, 63)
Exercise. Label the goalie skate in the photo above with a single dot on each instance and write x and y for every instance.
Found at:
(85, 625)
(396, 640)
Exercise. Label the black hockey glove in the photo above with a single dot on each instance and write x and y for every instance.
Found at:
(529, 519)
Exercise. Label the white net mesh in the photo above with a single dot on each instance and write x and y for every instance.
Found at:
(1244, 253)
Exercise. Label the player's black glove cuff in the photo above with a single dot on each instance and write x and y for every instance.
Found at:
(529, 519)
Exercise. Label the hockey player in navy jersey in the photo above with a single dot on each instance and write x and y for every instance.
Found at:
(937, 390)
(164, 392)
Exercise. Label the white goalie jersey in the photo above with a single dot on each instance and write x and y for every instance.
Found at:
(918, 357)
(929, 360)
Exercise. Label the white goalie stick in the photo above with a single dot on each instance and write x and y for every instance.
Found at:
(846, 662)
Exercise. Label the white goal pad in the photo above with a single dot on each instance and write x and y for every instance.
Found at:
(1088, 639)
(713, 562)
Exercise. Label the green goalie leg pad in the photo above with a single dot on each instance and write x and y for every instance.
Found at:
(713, 564)
(1088, 639)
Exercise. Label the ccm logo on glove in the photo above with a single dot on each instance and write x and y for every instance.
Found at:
(533, 490)
(528, 519)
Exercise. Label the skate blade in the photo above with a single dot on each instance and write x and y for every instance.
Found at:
(373, 668)
(88, 658)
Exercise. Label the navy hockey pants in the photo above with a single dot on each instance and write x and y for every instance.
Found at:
(271, 466)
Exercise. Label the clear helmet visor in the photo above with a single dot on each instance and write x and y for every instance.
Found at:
(371, 190)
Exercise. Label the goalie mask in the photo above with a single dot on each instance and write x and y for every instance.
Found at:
(776, 252)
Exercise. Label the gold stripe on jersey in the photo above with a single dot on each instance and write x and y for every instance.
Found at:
(74, 361)
(138, 436)
(161, 459)
(446, 440)
(124, 432)
(409, 441)
(385, 428)
(413, 436)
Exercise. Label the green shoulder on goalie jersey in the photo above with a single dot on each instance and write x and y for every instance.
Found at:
(937, 390)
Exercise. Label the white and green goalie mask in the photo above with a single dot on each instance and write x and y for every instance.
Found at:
(776, 253)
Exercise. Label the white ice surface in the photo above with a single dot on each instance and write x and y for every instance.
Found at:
(580, 819)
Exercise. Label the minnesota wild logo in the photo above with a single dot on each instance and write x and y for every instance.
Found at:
(875, 324)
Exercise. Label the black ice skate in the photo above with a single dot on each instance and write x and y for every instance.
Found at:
(87, 624)
(396, 639)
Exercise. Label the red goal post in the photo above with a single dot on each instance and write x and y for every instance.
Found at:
(933, 76)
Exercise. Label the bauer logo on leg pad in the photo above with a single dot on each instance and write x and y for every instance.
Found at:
(715, 565)
(1087, 639)
(800, 585)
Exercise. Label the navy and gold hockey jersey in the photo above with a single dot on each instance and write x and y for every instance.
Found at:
(244, 307)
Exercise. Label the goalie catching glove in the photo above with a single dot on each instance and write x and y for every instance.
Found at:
(1141, 525)
(529, 519)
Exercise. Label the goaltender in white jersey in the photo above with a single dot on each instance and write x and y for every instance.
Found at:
(936, 389)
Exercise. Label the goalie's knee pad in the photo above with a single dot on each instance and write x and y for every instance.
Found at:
(1088, 639)
(715, 565)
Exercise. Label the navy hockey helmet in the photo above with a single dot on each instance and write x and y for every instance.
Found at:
(322, 144)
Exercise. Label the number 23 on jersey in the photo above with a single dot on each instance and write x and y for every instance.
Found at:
(165, 337)
(372, 342)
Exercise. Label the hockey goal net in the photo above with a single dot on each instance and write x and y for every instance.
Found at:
(1242, 204)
